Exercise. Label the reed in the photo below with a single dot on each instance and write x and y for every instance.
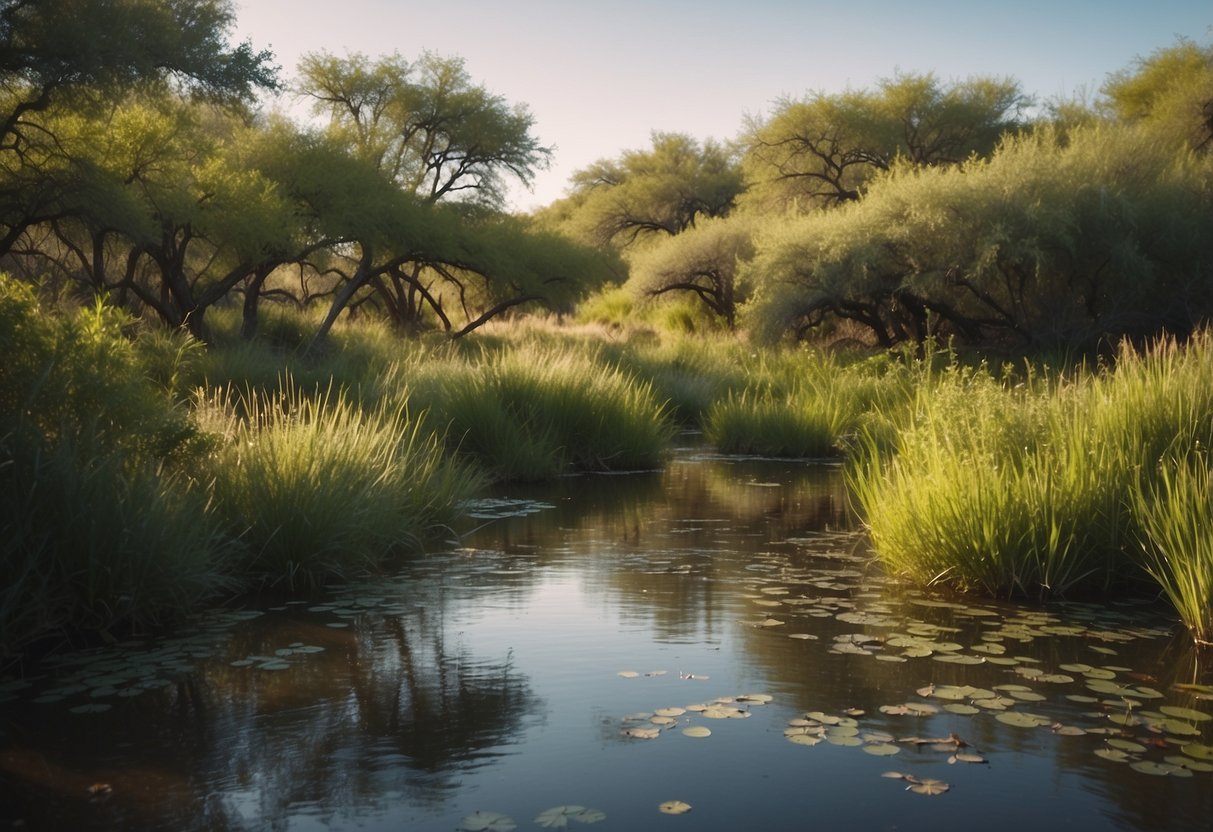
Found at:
(998, 490)
(799, 424)
(535, 412)
(1174, 512)
(91, 544)
(316, 487)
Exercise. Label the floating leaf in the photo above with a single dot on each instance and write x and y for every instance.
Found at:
(928, 786)
(642, 733)
(697, 731)
(1188, 763)
(804, 739)
(1127, 745)
(1068, 730)
(628, 674)
(674, 807)
(558, 817)
(1156, 769)
(1189, 714)
(1198, 751)
(884, 749)
(670, 711)
(1022, 720)
(487, 822)
(1115, 755)
(1177, 727)
(967, 758)
(961, 709)
(760, 698)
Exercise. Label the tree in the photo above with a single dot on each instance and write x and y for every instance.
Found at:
(53, 48)
(651, 194)
(448, 147)
(1045, 243)
(702, 261)
(1171, 90)
(60, 58)
(823, 149)
(425, 126)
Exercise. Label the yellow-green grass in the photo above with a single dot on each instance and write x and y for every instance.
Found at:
(315, 487)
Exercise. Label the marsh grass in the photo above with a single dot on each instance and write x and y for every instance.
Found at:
(800, 424)
(1028, 489)
(1175, 516)
(536, 411)
(91, 543)
(315, 487)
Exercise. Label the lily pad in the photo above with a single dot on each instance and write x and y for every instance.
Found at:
(642, 733)
(1190, 714)
(1022, 720)
(883, 749)
(697, 731)
(487, 822)
(928, 786)
(558, 817)
(1198, 751)
(674, 807)
(1156, 769)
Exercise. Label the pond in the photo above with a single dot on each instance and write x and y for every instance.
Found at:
(607, 651)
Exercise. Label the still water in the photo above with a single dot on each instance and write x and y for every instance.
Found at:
(570, 653)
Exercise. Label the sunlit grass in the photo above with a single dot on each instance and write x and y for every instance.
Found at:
(1029, 489)
(315, 487)
(534, 412)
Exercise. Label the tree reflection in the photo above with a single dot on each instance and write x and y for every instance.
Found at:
(388, 708)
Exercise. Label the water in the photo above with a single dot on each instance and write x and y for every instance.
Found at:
(504, 676)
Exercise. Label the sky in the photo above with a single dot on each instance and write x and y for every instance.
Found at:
(600, 77)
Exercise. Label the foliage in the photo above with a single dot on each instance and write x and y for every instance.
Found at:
(315, 487)
(701, 262)
(1045, 243)
(649, 194)
(1171, 91)
(424, 126)
(1176, 518)
(824, 149)
(532, 412)
(1039, 488)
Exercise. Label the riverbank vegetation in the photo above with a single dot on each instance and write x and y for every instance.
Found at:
(246, 351)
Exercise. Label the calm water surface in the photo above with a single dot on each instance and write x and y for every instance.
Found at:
(556, 657)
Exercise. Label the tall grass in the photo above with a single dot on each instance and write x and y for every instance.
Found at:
(315, 487)
(1030, 489)
(535, 411)
(1175, 516)
(799, 424)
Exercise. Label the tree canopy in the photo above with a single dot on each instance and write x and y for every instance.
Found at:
(653, 193)
(823, 149)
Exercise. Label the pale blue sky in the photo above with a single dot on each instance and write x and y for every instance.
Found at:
(600, 76)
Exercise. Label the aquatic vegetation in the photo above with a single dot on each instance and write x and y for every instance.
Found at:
(315, 486)
(1175, 514)
(534, 412)
(1029, 489)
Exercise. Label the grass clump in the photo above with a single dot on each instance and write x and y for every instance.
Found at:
(1175, 516)
(1035, 488)
(315, 487)
(533, 412)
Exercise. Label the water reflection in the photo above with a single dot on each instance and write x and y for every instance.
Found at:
(488, 678)
(385, 708)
